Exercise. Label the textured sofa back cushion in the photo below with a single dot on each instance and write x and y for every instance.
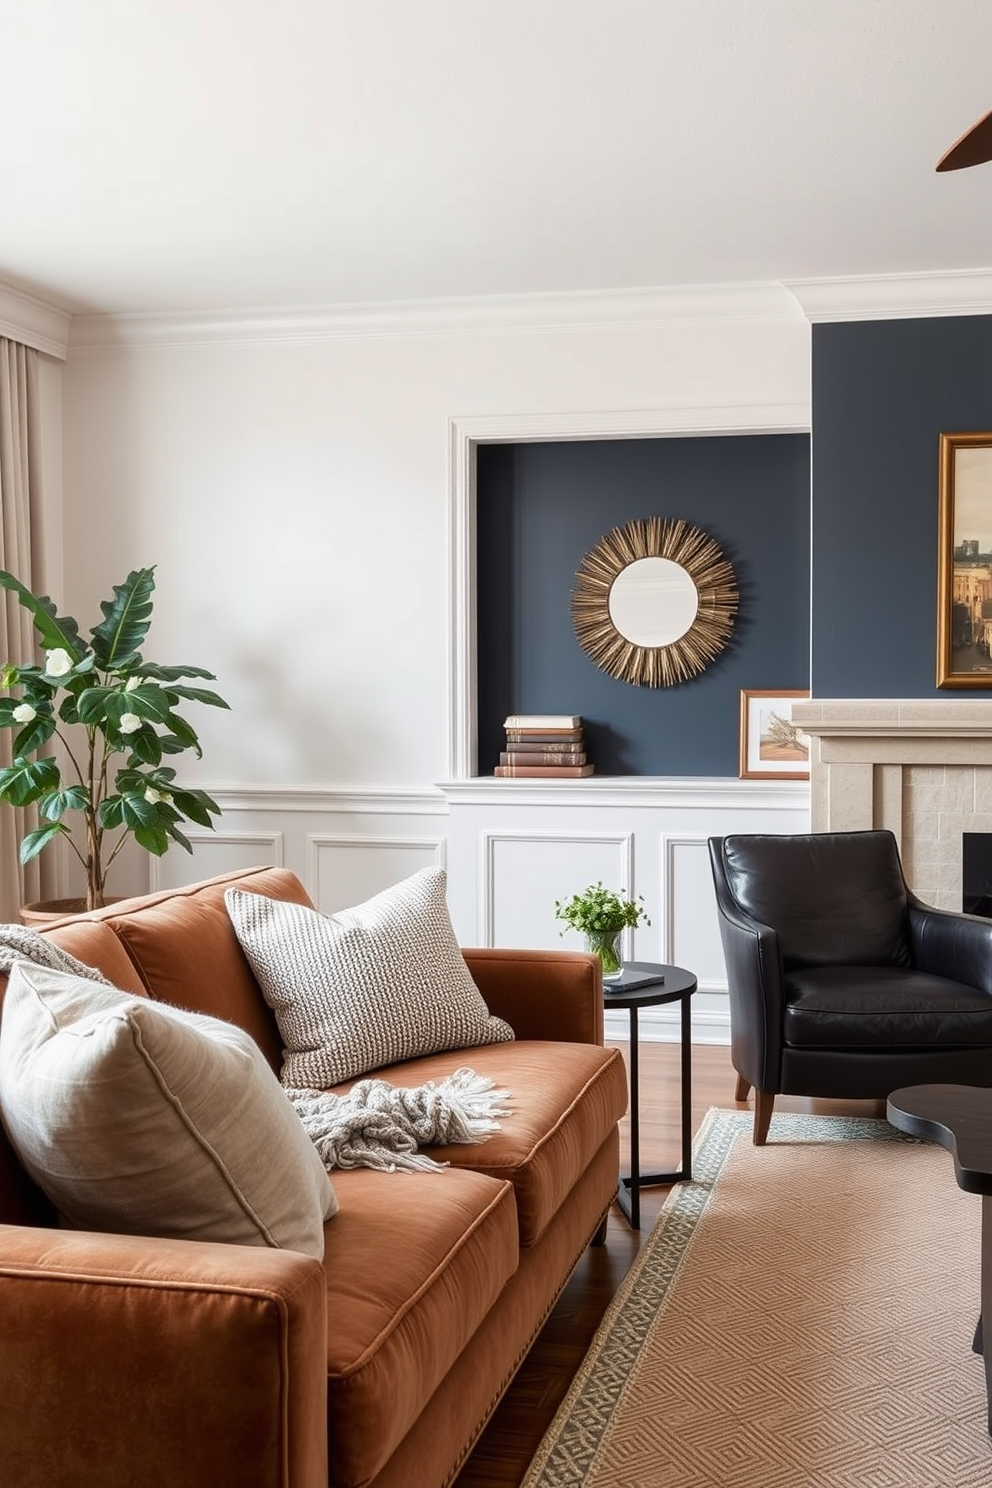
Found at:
(833, 898)
(185, 951)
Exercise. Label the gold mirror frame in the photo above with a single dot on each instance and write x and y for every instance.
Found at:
(703, 560)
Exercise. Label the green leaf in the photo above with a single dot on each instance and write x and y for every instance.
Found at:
(178, 836)
(110, 812)
(72, 798)
(127, 618)
(181, 730)
(25, 780)
(153, 839)
(148, 702)
(199, 695)
(173, 673)
(145, 747)
(98, 704)
(57, 632)
(35, 734)
(136, 811)
(197, 805)
(33, 843)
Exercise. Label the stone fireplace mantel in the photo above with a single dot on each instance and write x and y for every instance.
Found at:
(920, 766)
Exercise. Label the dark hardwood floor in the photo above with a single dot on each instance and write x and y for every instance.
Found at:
(504, 1450)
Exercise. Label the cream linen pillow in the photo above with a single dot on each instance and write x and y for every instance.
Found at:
(137, 1117)
(366, 987)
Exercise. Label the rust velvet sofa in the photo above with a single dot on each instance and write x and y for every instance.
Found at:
(129, 1360)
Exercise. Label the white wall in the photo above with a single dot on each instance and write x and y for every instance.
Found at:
(293, 493)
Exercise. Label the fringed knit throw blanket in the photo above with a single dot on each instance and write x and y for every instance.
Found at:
(376, 1125)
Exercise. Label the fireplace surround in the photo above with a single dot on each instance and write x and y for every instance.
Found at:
(921, 767)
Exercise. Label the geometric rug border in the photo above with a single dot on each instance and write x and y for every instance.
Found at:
(572, 1443)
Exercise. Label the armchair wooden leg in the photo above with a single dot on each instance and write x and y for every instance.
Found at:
(599, 1238)
(764, 1103)
(743, 1089)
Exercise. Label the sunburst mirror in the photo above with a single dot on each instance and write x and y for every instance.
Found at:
(654, 602)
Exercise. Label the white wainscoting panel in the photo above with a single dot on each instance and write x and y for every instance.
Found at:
(523, 873)
(348, 868)
(215, 853)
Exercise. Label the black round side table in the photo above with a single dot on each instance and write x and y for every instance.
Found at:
(648, 984)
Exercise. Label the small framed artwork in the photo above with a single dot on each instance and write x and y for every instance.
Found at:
(772, 746)
(964, 561)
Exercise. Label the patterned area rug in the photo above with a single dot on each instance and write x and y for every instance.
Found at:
(800, 1317)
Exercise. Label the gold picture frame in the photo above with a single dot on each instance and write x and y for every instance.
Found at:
(696, 565)
(771, 746)
(964, 561)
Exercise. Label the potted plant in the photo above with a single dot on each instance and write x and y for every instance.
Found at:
(602, 915)
(113, 715)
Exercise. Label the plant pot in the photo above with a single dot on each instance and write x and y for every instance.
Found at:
(606, 945)
(47, 911)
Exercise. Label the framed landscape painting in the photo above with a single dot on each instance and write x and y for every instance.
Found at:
(964, 561)
(772, 747)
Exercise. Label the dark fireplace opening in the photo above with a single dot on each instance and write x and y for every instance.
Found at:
(976, 879)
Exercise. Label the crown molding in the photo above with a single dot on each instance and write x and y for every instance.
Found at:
(894, 296)
(681, 304)
(34, 322)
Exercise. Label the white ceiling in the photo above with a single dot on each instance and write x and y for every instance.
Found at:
(221, 154)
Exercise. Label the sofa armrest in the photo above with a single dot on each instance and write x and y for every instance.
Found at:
(183, 1363)
(958, 946)
(542, 994)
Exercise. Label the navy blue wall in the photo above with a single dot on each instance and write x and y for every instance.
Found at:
(541, 507)
(883, 391)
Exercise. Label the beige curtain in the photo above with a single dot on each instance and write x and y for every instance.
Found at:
(20, 553)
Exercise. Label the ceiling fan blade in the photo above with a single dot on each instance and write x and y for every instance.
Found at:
(973, 148)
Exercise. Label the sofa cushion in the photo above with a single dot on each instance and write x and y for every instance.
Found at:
(367, 986)
(140, 1118)
(183, 946)
(413, 1263)
(565, 1100)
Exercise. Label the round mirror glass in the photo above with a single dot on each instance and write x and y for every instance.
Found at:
(653, 602)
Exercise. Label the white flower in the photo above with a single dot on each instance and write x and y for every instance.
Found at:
(152, 796)
(132, 683)
(24, 713)
(58, 662)
(130, 723)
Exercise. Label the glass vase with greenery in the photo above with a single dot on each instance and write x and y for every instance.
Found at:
(602, 915)
(94, 723)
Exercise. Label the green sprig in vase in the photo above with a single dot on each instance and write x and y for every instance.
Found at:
(602, 915)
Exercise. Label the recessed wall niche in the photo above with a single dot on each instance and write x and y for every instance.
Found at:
(542, 506)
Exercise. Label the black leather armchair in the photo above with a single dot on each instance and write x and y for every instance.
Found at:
(842, 983)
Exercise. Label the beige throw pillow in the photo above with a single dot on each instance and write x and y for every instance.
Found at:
(366, 987)
(137, 1117)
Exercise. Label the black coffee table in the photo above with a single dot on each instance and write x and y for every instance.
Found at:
(959, 1117)
(648, 984)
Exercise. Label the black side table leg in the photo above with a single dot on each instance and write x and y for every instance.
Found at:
(686, 1090)
(629, 1196)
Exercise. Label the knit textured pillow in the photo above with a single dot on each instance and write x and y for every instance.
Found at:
(365, 987)
(138, 1118)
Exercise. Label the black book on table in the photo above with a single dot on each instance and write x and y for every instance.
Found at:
(635, 975)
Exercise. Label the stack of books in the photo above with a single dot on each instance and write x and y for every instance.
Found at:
(543, 746)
